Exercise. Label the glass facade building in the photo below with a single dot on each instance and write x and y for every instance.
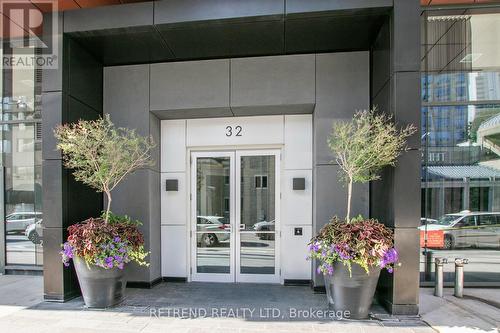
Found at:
(460, 122)
(20, 200)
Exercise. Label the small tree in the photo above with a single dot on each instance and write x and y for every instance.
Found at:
(364, 145)
(102, 155)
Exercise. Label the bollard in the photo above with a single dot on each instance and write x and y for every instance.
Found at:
(459, 276)
(429, 255)
(438, 280)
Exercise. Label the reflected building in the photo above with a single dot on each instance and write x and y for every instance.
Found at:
(460, 126)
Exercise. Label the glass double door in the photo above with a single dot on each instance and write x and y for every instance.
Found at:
(235, 216)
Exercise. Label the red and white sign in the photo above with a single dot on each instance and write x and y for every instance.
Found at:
(432, 238)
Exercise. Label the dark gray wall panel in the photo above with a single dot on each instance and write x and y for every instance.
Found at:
(395, 200)
(406, 33)
(398, 291)
(174, 11)
(342, 87)
(52, 191)
(407, 104)
(264, 110)
(62, 284)
(407, 190)
(126, 100)
(142, 44)
(193, 113)
(66, 201)
(138, 197)
(85, 76)
(108, 17)
(76, 110)
(406, 280)
(190, 85)
(300, 6)
(126, 96)
(331, 196)
(52, 103)
(330, 33)
(284, 80)
(381, 59)
(82, 201)
(231, 39)
(52, 79)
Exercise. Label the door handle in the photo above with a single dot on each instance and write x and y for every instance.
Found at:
(242, 226)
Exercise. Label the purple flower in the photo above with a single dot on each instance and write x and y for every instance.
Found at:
(314, 247)
(118, 258)
(68, 250)
(390, 269)
(329, 268)
(390, 257)
(111, 246)
(110, 264)
(109, 259)
(318, 270)
(117, 239)
(120, 265)
(122, 250)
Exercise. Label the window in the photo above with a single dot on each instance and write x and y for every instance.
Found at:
(260, 181)
(461, 135)
(485, 220)
(468, 221)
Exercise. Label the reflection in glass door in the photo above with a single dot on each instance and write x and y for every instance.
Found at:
(257, 199)
(234, 214)
(212, 215)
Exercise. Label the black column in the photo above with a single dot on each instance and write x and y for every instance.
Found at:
(395, 200)
(71, 92)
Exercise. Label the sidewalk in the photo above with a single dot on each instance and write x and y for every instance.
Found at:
(21, 310)
(454, 315)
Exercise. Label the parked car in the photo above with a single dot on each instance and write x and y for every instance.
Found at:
(34, 232)
(264, 226)
(468, 229)
(18, 222)
(215, 230)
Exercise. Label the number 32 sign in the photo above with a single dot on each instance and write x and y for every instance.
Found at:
(234, 131)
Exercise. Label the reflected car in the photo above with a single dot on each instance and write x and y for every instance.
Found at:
(19, 221)
(215, 229)
(468, 229)
(264, 226)
(425, 220)
(34, 232)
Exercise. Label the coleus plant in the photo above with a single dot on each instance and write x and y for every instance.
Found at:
(365, 242)
(106, 245)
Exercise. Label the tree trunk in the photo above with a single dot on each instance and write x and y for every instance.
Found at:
(106, 217)
(349, 195)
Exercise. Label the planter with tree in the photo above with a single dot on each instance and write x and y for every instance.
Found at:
(351, 252)
(101, 156)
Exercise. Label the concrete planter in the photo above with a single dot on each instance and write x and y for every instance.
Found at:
(351, 293)
(101, 288)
